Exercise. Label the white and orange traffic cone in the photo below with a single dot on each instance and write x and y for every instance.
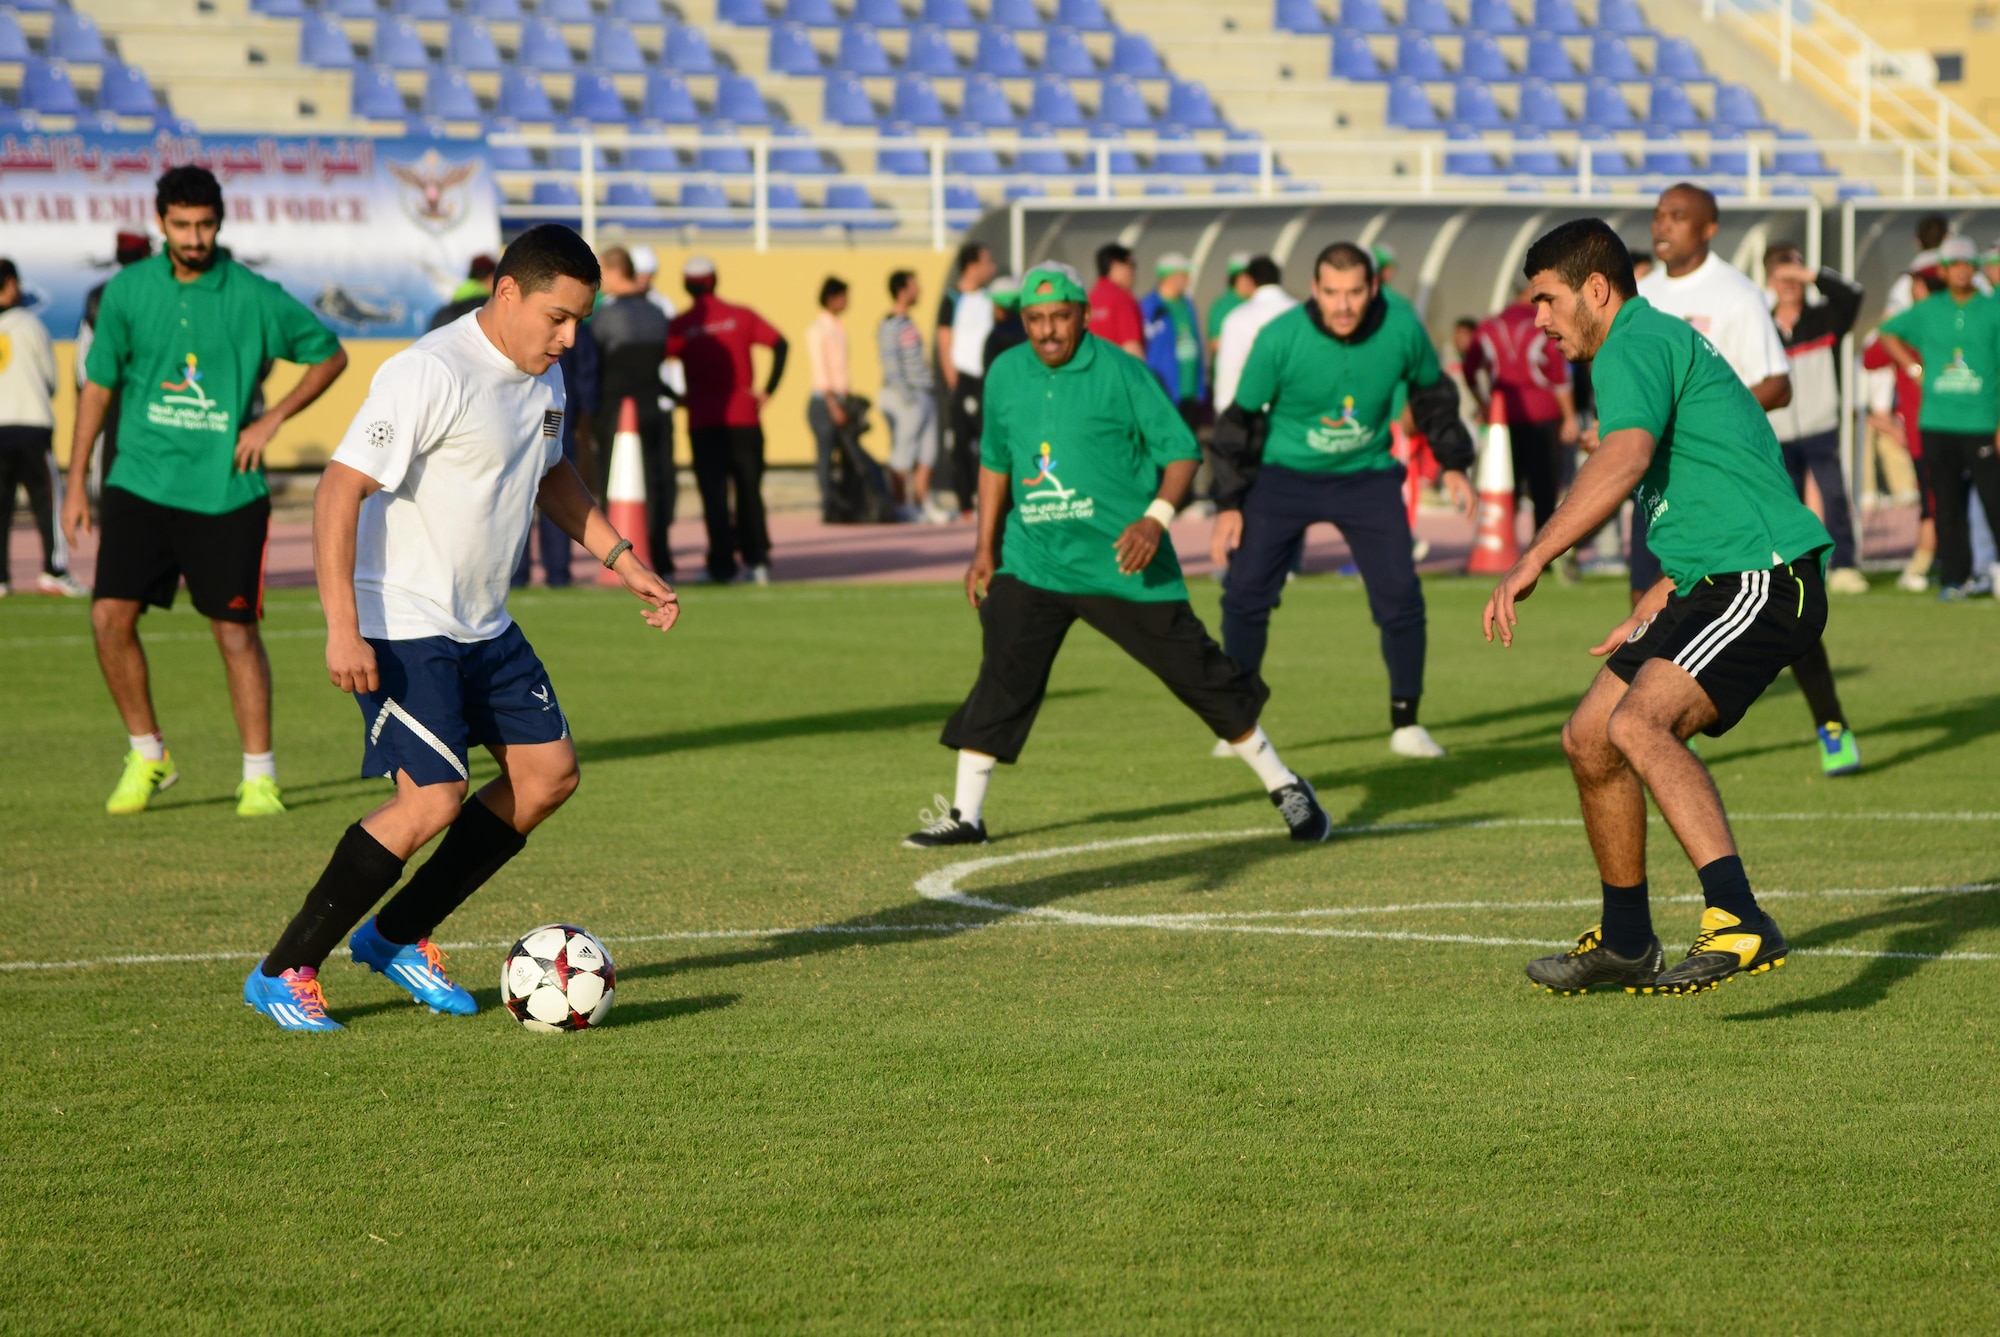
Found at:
(625, 492)
(1496, 546)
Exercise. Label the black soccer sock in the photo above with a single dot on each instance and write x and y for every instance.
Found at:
(1628, 919)
(1815, 678)
(1726, 886)
(1403, 711)
(356, 877)
(473, 849)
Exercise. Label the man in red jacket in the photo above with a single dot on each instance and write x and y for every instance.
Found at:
(1514, 361)
(1114, 311)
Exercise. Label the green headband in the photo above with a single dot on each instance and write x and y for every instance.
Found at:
(1050, 285)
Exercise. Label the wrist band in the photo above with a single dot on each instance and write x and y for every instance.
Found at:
(1162, 511)
(618, 549)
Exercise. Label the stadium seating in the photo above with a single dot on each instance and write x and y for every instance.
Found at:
(469, 47)
(124, 91)
(73, 38)
(13, 42)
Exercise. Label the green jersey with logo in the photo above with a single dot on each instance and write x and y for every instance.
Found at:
(187, 358)
(1082, 446)
(1218, 310)
(1716, 492)
(1331, 403)
(1959, 345)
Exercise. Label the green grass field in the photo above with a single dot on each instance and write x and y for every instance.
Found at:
(1313, 1110)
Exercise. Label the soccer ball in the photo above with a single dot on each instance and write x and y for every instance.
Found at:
(557, 978)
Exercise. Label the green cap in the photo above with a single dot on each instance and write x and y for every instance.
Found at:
(1238, 262)
(1173, 262)
(1384, 255)
(1005, 292)
(1052, 282)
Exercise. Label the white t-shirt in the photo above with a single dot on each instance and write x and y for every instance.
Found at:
(1720, 301)
(971, 322)
(459, 438)
(1239, 334)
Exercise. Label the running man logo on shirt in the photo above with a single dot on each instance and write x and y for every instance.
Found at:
(1957, 378)
(186, 405)
(1335, 436)
(1052, 501)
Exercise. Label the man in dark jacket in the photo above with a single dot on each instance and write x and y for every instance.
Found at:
(1808, 428)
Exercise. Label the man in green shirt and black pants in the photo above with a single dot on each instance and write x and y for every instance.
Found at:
(183, 339)
(1308, 441)
(1743, 597)
(1081, 440)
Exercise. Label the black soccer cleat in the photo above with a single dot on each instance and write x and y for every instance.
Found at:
(948, 828)
(1299, 806)
(1591, 965)
(1724, 947)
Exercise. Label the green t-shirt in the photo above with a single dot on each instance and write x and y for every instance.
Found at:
(1959, 345)
(1187, 344)
(1226, 301)
(1331, 403)
(1716, 492)
(188, 357)
(1082, 446)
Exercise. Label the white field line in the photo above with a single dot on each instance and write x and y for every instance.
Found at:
(288, 634)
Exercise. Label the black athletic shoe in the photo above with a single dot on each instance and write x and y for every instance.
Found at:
(1725, 946)
(1590, 965)
(946, 829)
(1299, 806)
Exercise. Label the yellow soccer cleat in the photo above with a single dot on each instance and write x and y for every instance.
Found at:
(142, 779)
(1724, 947)
(259, 797)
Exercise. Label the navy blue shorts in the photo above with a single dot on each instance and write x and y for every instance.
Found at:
(440, 698)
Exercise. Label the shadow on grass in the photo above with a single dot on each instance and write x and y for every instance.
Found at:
(1925, 926)
(1955, 726)
(623, 1013)
(1528, 710)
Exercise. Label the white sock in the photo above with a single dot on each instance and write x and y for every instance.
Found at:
(260, 765)
(151, 746)
(1256, 750)
(974, 770)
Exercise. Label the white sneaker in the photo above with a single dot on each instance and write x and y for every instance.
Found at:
(5, 589)
(1413, 740)
(759, 574)
(1221, 750)
(63, 583)
(1846, 580)
(1993, 578)
(1420, 549)
(1913, 581)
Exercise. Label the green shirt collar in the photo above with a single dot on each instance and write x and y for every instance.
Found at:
(1080, 362)
(163, 266)
(1625, 311)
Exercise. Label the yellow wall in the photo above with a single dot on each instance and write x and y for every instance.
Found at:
(1972, 29)
(782, 285)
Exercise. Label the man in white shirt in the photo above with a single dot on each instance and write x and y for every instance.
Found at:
(965, 318)
(417, 525)
(1265, 304)
(27, 430)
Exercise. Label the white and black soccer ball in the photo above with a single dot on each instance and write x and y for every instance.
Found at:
(557, 978)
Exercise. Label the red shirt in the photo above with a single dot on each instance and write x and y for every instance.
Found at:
(713, 338)
(1520, 364)
(1114, 315)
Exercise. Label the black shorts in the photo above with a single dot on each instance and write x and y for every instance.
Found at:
(146, 549)
(1024, 628)
(1734, 634)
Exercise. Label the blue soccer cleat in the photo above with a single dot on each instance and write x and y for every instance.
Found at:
(1838, 752)
(418, 967)
(292, 999)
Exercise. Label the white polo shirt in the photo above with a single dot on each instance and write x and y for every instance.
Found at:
(1239, 335)
(459, 438)
(1722, 303)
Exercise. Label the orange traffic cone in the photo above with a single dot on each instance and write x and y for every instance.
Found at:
(625, 493)
(1496, 546)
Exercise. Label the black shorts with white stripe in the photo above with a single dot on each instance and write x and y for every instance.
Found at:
(1734, 633)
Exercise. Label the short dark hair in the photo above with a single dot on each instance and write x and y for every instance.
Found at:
(1932, 229)
(831, 289)
(1777, 250)
(190, 186)
(1109, 254)
(1345, 255)
(8, 273)
(1702, 193)
(1264, 272)
(900, 280)
(1465, 323)
(545, 253)
(1579, 248)
(969, 253)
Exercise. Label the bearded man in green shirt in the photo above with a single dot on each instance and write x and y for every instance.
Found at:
(1086, 459)
(1743, 597)
(183, 340)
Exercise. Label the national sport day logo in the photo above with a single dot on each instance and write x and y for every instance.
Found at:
(186, 405)
(1051, 500)
(433, 190)
(1047, 475)
(1957, 378)
(1335, 436)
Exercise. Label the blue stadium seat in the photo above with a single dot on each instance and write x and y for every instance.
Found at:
(1364, 16)
(495, 11)
(614, 50)
(522, 97)
(1301, 16)
(1122, 161)
(861, 51)
(1670, 106)
(1051, 161)
(981, 161)
(737, 99)
(124, 90)
(1663, 161)
(1015, 14)
(1535, 162)
(468, 45)
(1789, 162)
(1123, 105)
(784, 208)
(1083, 15)
(1354, 59)
(1604, 106)
(687, 50)
(999, 53)
(1472, 106)
(986, 103)
(948, 14)
(880, 13)
(35, 6)
(962, 200)
(703, 201)
(1727, 162)
(448, 95)
(1621, 16)
(276, 9)
(1132, 54)
(323, 44)
(797, 159)
(811, 13)
(1492, 16)
(1482, 58)
(1055, 104)
(398, 46)
(1409, 107)
(1189, 161)
(508, 157)
(595, 98)
(1676, 58)
(1189, 105)
(566, 11)
(554, 195)
(1428, 16)
(911, 161)
(1558, 16)
(792, 50)
(1024, 190)
(1417, 57)
(544, 48)
(74, 38)
(723, 159)
(569, 157)
(668, 100)
(917, 102)
(1065, 53)
(13, 42)
(1542, 106)
(846, 102)
(1465, 162)
(930, 53)
(638, 11)
(1611, 57)
(659, 158)
(1849, 190)
(1548, 59)
(745, 13)
(424, 11)
(860, 211)
(629, 195)
(375, 97)
(1610, 160)
(348, 9)
(1243, 161)
(1736, 105)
